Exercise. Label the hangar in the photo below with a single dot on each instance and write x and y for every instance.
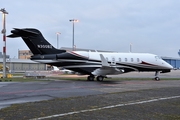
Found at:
(23, 65)
(175, 62)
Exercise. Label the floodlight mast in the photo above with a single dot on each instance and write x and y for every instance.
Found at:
(4, 12)
(73, 21)
(58, 33)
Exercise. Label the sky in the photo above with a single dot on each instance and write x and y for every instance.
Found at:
(150, 26)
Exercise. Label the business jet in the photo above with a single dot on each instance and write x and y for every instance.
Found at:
(94, 64)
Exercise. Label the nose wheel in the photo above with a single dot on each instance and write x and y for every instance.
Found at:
(156, 76)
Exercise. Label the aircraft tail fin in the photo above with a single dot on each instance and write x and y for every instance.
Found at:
(35, 41)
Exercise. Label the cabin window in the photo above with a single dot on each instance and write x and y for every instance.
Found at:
(119, 59)
(126, 59)
(132, 60)
(138, 60)
(113, 61)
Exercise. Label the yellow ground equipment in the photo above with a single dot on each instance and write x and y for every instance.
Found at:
(8, 75)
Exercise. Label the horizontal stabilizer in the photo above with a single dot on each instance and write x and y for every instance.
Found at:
(22, 33)
(13, 36)
(26, 30)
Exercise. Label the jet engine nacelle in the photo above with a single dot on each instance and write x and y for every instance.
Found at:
(73, 55)
(49, 56)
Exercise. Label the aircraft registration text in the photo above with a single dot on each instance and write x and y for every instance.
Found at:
(44, 46)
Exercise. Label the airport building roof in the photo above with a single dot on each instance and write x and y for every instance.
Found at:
(17, 60)
(81, 49)
(172, 58)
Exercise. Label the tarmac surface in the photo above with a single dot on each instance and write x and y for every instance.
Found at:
(69, 99)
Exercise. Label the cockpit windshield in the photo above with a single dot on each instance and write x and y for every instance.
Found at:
(158, 57)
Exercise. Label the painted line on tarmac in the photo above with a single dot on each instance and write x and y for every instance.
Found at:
(106, 107)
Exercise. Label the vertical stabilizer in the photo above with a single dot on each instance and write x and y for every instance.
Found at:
(35, 41)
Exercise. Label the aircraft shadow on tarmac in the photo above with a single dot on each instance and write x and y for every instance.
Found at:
(100, 82)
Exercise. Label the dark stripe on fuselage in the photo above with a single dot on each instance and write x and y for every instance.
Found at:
(75, 54)
(68, 55)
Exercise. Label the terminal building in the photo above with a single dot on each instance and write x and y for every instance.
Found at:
(24, 54)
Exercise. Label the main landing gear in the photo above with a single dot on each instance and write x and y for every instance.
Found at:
(98, 78)
(90, 78)
(156, 76)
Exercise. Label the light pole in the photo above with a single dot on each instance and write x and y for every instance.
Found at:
(4, 12)
(130, 49)
(73, 21)
(10, 65)
(58, 33)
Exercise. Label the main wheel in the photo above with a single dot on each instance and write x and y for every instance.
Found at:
(157, 78)
(90, 78)
(100, 78)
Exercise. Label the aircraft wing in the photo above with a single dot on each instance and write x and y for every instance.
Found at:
(108, 69)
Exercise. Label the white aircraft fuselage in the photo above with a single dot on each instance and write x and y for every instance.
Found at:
(117, 62)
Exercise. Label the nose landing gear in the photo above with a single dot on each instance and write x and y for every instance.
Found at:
(156, 76)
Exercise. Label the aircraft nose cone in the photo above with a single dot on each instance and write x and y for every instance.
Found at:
(169, 66)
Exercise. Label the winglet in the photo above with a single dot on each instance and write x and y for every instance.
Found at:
(104, 61)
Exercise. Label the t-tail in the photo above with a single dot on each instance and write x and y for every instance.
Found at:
(35, 41)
